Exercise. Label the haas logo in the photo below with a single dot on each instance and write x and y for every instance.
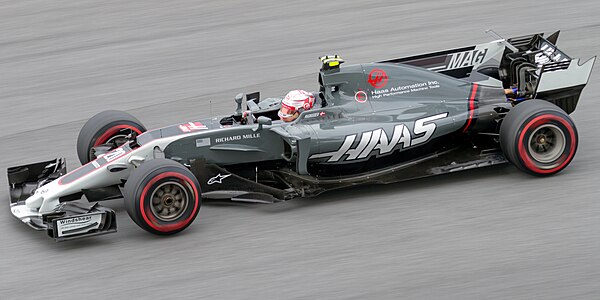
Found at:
(378, 140)
(377, 78)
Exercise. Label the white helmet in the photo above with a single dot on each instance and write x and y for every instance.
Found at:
(295, 101)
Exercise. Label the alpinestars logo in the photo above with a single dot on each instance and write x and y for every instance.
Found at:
(378, 140)
(218, 179)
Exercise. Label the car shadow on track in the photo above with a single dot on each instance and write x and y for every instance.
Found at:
(485, 182)
(359, 193)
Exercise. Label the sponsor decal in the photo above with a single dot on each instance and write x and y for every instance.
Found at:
(378, 141)
(360, 97)
(192, 126)
(315, 114)
(466, 59)
(549, 54)
(76, 220)
(237, 137)
(78, 224)
(202, 142)
(462, 60)
(405, 89)
(217, 179)
(110, 156)
(377, 78)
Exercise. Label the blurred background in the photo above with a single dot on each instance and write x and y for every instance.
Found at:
(491, 233)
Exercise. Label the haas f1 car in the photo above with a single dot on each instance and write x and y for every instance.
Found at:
(508, 100)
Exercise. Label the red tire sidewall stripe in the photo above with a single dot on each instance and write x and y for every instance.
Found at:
(149, 218)
(112, 131)
(524, 155)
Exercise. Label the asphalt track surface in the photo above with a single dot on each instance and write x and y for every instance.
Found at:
(493, 233)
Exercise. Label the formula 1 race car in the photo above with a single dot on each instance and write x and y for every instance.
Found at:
(374, 123)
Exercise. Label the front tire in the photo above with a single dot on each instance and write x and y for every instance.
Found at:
(162, 196)
(538, 137)
(107, 127)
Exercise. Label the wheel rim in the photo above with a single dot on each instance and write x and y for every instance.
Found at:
(547, 143)
(118, 139)
(169, 201)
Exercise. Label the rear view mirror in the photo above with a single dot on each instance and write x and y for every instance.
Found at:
(262, 120)
(238, 99)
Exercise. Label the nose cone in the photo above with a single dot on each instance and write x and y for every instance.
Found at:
(34, 201)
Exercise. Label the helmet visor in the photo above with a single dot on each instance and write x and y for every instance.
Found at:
(286, 111)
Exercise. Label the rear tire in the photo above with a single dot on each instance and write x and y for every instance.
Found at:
(538, 137)
(162, 196)
(104, 128)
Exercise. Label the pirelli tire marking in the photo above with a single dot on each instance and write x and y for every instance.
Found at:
(378, 140)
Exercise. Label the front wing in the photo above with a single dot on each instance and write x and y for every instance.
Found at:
(69, 220)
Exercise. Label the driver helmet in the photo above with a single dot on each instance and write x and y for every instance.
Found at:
(294, 103)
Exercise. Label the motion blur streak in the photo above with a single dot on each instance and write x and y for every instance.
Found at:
(165, 61)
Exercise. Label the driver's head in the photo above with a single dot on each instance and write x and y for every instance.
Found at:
(294, 103)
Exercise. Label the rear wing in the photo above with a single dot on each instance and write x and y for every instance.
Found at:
(531, 64)
(539, 69)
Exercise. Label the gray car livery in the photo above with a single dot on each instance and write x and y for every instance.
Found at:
(372, 123)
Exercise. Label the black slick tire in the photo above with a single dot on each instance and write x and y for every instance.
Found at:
(162, 196)
(103, 127)
(538, 137)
